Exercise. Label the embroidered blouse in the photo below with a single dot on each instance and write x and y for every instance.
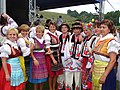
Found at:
(112, 47)
(6, 49)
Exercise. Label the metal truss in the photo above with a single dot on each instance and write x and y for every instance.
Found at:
(32, 10)
(2, 6)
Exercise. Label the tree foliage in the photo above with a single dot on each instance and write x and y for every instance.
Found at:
(114, 16)
(87, 17)
(73, 13)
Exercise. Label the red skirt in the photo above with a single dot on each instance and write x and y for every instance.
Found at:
(85, 76)
(5, 85)
(50, 72)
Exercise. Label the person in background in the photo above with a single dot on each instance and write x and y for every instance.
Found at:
(47, 23)
(97, 29)
(105, 52)
(6, 22)
(72, 65)
(54, 64)
(59, 21)
(118, 56)
(38, 68)
(46, 27)
(64, 43)
(117, 35)
(32, 31)
(12, 77)
(40, 18)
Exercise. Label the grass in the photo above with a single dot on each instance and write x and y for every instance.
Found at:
(30, 86)
(45, 87)
(117, 85)
(52, 15)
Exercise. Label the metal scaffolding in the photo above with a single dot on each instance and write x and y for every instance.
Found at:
(2, 6)
(32, 10)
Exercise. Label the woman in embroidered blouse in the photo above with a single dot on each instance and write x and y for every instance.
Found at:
(11, 72)
(105, 52)
(53, 61)
(5, 22)
(87, 57)
(25, 61)
(38, 68)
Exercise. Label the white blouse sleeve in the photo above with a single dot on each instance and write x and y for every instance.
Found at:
(47, 41)
(118, 45)
(45, 32)
(12, 23)
(25, 50)
(112, 47)
(32, 32)
(32, 41)
(4, 30)
(5, 51)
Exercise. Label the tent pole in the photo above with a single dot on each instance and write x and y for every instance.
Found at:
(101, 10)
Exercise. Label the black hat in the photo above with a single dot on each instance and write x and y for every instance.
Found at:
(77, 25)
(63, 25)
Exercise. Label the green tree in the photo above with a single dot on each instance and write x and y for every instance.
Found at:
(73, 13)
(114, 16)
(83, 16)
(87, 17)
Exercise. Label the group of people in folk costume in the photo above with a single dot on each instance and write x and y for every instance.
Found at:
(80, 58)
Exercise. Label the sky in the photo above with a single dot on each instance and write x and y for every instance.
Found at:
(89, 7)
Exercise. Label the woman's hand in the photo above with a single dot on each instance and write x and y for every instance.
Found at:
(8, 77)
(31, 46)
(6, 16)
(102, 79)
(80, 39)
(49, 52)
(36, 62)
(109, 67)
(55, 62)
(90, 72)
